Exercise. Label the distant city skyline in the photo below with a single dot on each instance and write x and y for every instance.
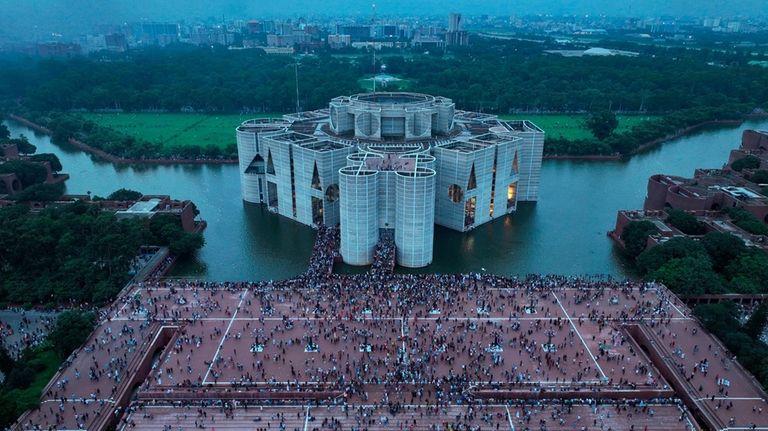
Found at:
(80, 16)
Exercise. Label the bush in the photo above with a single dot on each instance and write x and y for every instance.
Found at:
(685, 222)
(40, 193)
(675, 248)
(124, 195)
(28, 173)
(72, 329)
(746, 162)
(21, 377)
(692, 275)
(52, 159)
(745, 220)
(759, 177)
(722, 248)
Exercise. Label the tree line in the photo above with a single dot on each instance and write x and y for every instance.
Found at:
(500, 77)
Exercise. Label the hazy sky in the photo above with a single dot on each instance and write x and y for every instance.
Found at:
(80, 15)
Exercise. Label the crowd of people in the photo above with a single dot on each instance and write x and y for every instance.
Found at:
(384, 255)
(21, 329)
(389, 340)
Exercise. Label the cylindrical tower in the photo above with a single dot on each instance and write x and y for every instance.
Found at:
(415, 217)
(359, 214)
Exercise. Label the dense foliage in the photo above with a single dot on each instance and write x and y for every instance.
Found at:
(685, 222)
(124, 195)
(635, 236)
(719, 263)
(76, 252)
(72, 329)
(743, 340)
(746, 162)
(27, 172)
(747, 221)
(493, 76)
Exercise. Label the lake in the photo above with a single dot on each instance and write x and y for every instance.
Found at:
(564, 233)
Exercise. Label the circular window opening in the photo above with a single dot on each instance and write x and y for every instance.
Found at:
(332, 193)
(455, 194)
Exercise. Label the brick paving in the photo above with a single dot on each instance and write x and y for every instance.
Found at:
(385, 351)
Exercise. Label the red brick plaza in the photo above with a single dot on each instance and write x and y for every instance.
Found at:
(386, 351)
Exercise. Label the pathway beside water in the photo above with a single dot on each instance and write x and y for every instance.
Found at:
(564, 233)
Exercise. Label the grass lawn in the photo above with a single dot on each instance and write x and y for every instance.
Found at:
(172, 129)
(572, 126)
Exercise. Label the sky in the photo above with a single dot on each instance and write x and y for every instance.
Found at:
(70, 16)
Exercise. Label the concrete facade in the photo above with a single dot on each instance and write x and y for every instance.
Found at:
(392, 161)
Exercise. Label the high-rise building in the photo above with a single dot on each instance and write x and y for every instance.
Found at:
(455, 35)
(454, 22)
(390, 161)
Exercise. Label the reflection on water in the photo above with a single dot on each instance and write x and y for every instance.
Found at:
(564, 233)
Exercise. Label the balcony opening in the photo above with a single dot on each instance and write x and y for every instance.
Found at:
(317, 211)
(472, 179)
(270, 163)
(316, 178)
(469, 212)
(511, 195)
(455, 194)
(272, 194)
(515, 165)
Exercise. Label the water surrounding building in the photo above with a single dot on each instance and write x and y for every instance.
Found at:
(390, 161)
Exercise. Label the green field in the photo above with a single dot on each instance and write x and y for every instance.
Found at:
(572, 126)
(172, 129)
(175, 129)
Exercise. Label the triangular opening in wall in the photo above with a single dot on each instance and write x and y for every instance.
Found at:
(472, 179)
(316, 178)
(515, 165)
(270, 164)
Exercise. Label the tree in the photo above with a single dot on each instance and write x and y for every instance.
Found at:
(635, 236)
(28, 173)
(746, 220)
(124, 195)
(759, 177)
(187, 244)
(40, 193)
(652, 259)
(72, 329)
(23, 144)
(602, 124)
(746, 162)
(755, 325)
(749, 272)
(692, 275)
(52, 159)
(722, 248)
(5, 134)
(719, 318)
(685, 222)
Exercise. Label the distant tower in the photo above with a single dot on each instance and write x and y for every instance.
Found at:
(454, 22)
(455, 35)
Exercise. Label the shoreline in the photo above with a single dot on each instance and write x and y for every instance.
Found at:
(590, 157)
(121, 160)
(651, 144)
